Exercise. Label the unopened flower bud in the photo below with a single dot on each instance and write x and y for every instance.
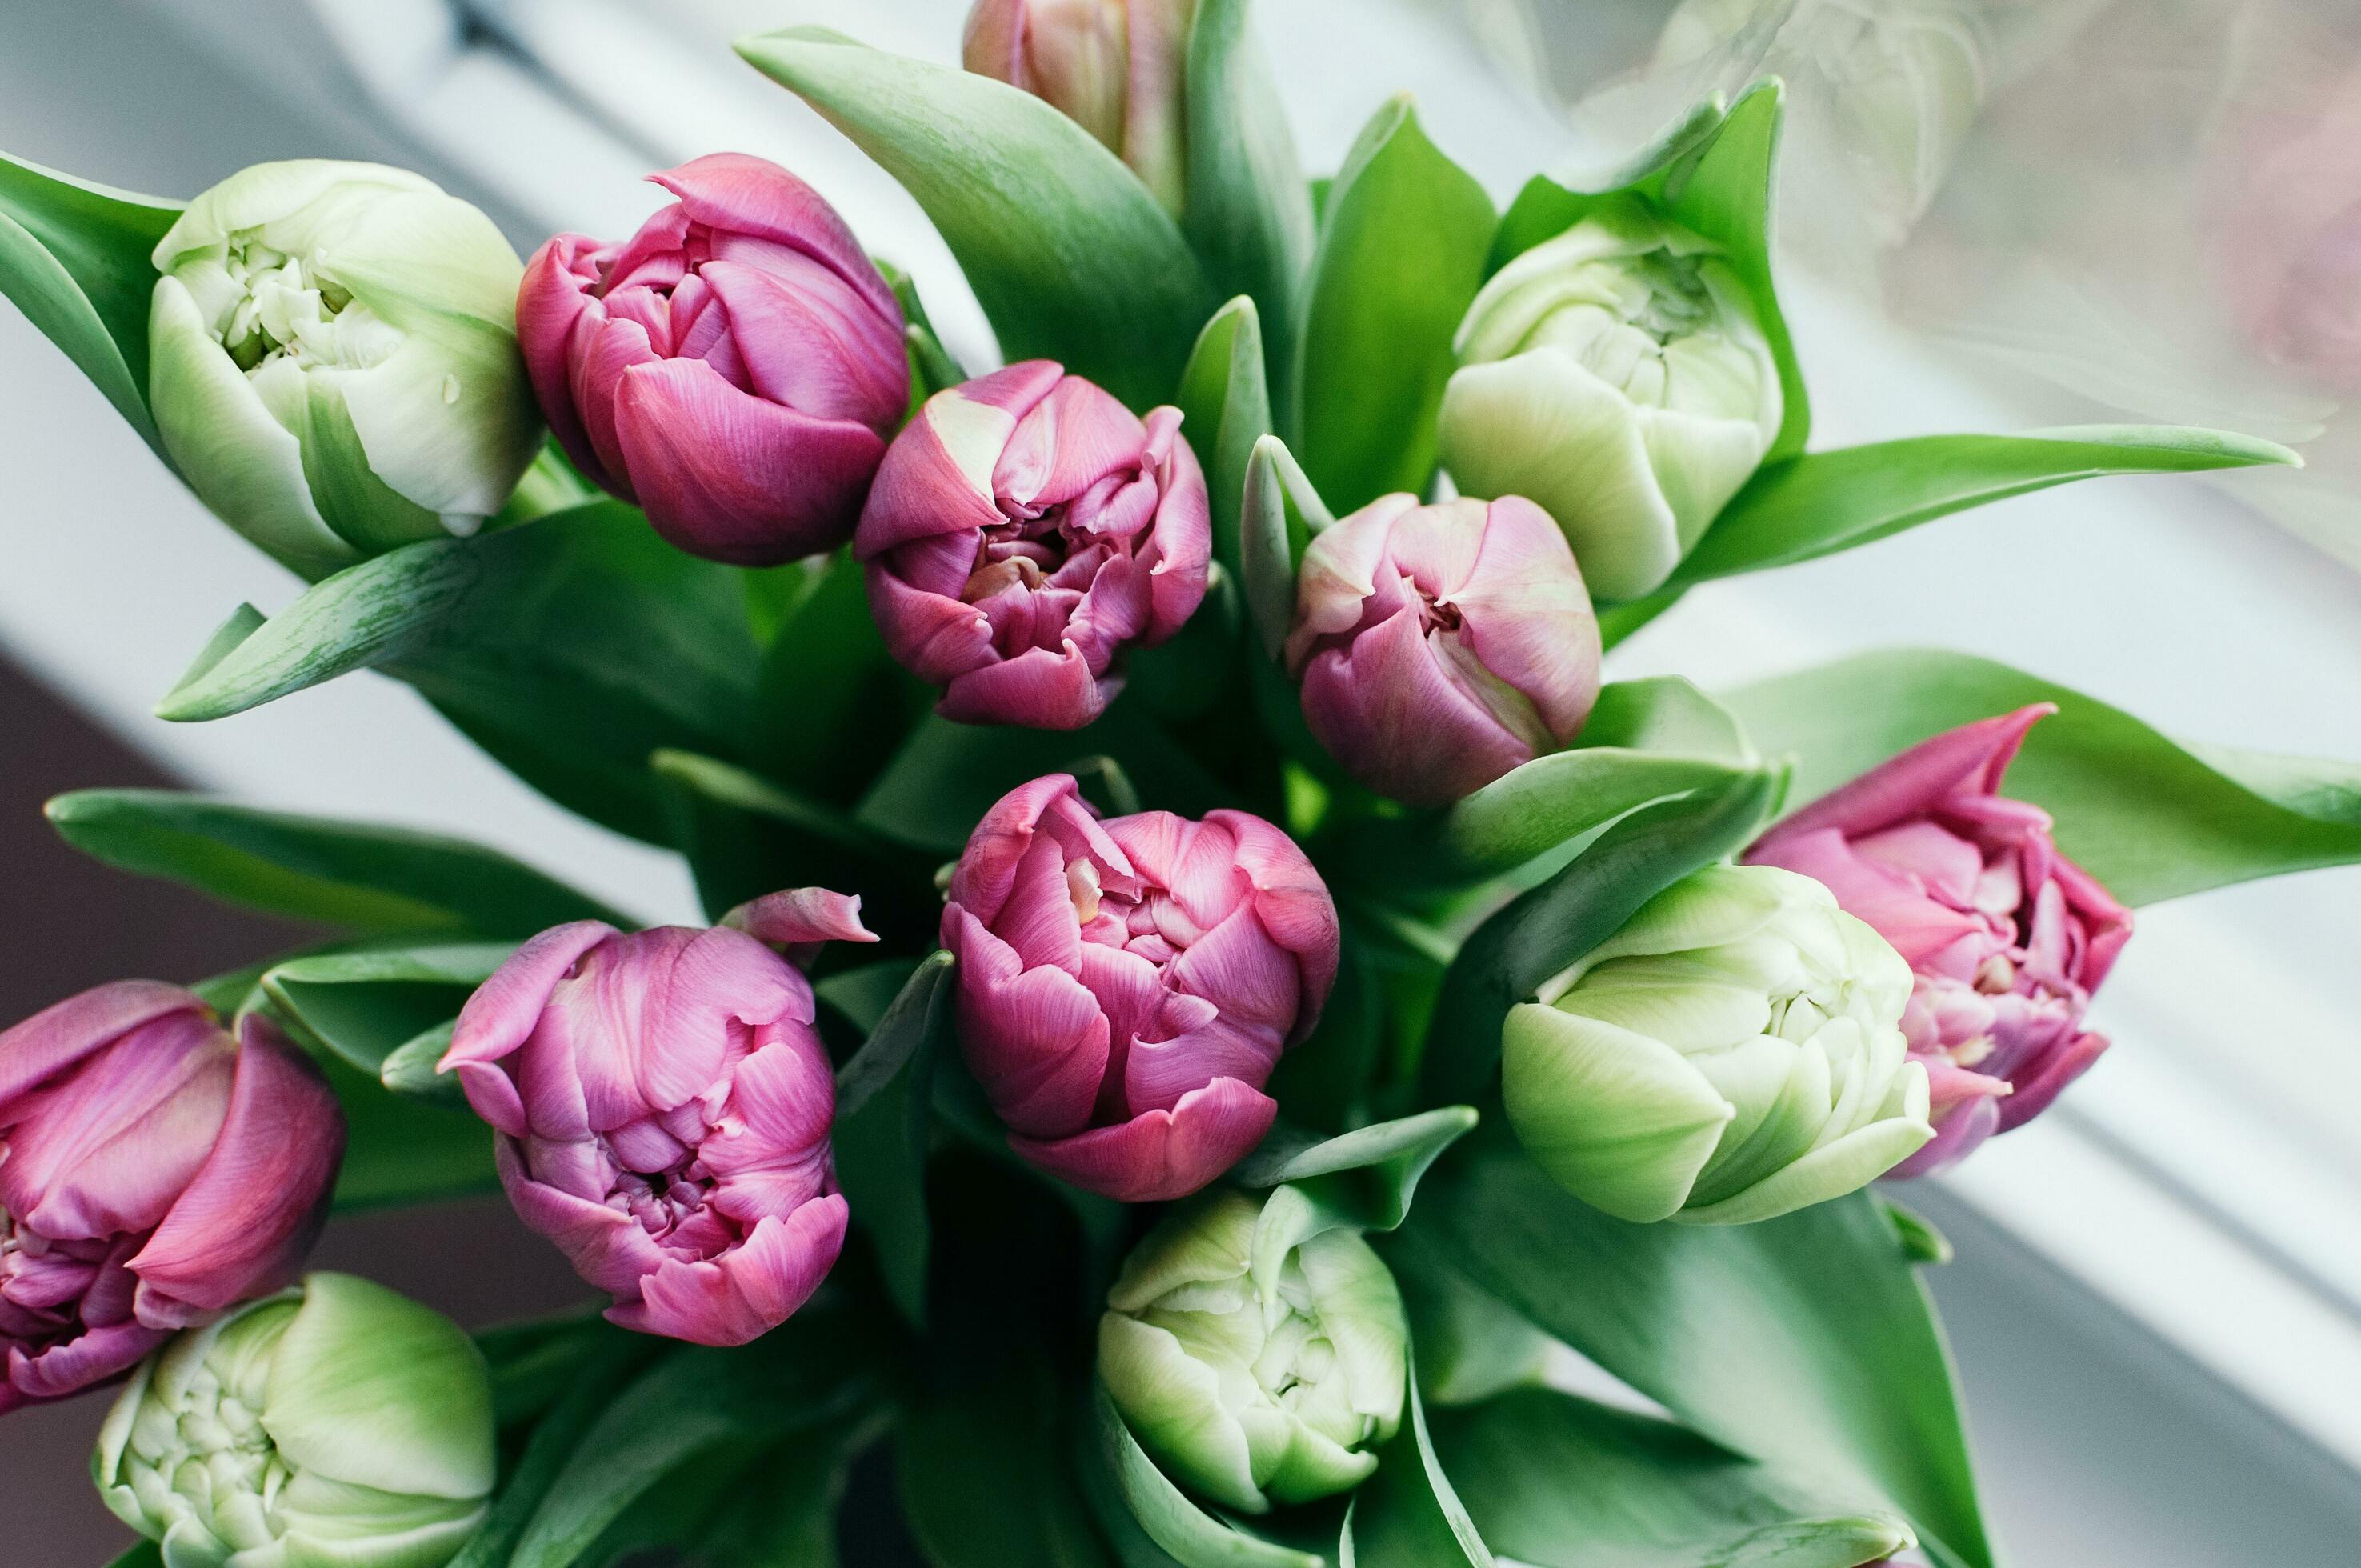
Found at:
(1115, 67)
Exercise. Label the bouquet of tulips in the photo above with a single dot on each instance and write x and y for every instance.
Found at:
(1212, 999)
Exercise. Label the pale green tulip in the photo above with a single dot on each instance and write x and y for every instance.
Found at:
(333, 360)
(337, 1425)
(1255, 1392)
(1619, 377)
(1733, 1053)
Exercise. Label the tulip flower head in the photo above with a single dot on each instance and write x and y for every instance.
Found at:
(1256, 1392)
(735, 367)
(1732, 1054)
(1026, 529)
(333, 1425)
(1125, 987)
(2006, 939)
(1115, 67)
(154, 1172)
(333, 360)
(663, 1107)
(1617, 376)
(1440, 646)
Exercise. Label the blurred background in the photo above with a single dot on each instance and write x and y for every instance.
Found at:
(1994, 214)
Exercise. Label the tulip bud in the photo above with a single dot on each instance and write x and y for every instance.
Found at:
(333, 360)
(2006, 937)
(1732, 1054)
(333, 1425)
(663, 1106)
(1619, 377)
(1440, 646)
(1255, 1392)
(154, 1172)
(1026, 529)
(1116, 67)
(734, 368)
(1125, 987)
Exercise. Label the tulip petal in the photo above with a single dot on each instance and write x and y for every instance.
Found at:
(1036, 1039)
(1293, 905)
(1159, 1154)
(90, 1358)
(802, 920)
(1971, 760)
(734, 478)
(1621, 1121)
(553, 302)
(1174, 1404)
(64, 1032)
(737, 193)
(748, 1290)
(606, 1246)
(505, 1010)
(1038, 689)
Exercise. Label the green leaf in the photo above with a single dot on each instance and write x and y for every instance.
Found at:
(1369, 1174)
(1471, 1347)
(570, 648)
(76, 259)
(1249, 212)
(535, 1361)
(1279, 513)
(744, 837)
(1646, 739)
(1716, 178)
(1816, 504)
(1407, 1515)
(1805, 1342)
(1324, 1082)
(815, 1371)
(984, 1476)
(932, 368)
(352, 875)
(145, 1554)
(1617, 622)
(1071, 257)
(1224, 400)
(1559, 1482)
(884, 1098)
(1401, 253)
(1129, 1480)
(363, 1006)
(400, 1150)
(2151, 817)
(833, 705)
(1512, 954)
(593, 1384)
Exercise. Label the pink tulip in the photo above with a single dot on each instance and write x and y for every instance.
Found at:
(2008, 939)
(2284, 223)
(735, 367)
(154, 1173)
(1115, 67)
(1440, 646)
(1025, 529)
(662, 1106)
(1127, 986)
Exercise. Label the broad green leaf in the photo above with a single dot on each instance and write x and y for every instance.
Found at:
(1512, 954)
(76, 259)
(1280, 512)
(353, 874)
(932, 368)
(1408, 1515)
(1716, 178)
(536, 1361)
(1071, 257)
(1128, 1479)
(744, 837)
(1560, 1482)
(1806, 1341)
(570, 648)
(363, 1006)
(739, 1504)
(2151, 817)
(1471, 1346)
(1324, 1083)
(1249, 212)
(147, 1554)
(1819, 503)
(947, 775)
(1360, 1180)
(833, 704)
(400, 1150)
(815, 1371)
(1402, 246)
(593, 1382)
(885, 1096)
(1617, 622)
(984, 1476)
(1225, 400)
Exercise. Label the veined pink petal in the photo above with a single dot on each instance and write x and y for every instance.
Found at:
(1385, 710)
(1969, 760)
(748, 1290)
(743, 194)
(1036, 1041)
(1293, 905)
(801, 920)
(987, 868)
(1161, 1155)
(503, 1010)
(551, 302)
(1527, 615)
(1066, 442)
(64, 1032)
(1039, 689)
(605, 1246)
(89, 1359)
(1918, 927)
(810, 342)
(922, 491)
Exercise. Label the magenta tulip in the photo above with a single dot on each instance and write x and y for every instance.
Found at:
(1026, 529)
(735, 367)
(154, 1173)
(1127, 986)
(1440, 646)
(2007, 938)
(663, 1107)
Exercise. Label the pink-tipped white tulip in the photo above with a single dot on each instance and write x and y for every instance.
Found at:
(735, 367)
(662, 1106)
(2007, 938)
(154, 1173)
(1440, 646)
(1025, 529)
(1127, 986)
